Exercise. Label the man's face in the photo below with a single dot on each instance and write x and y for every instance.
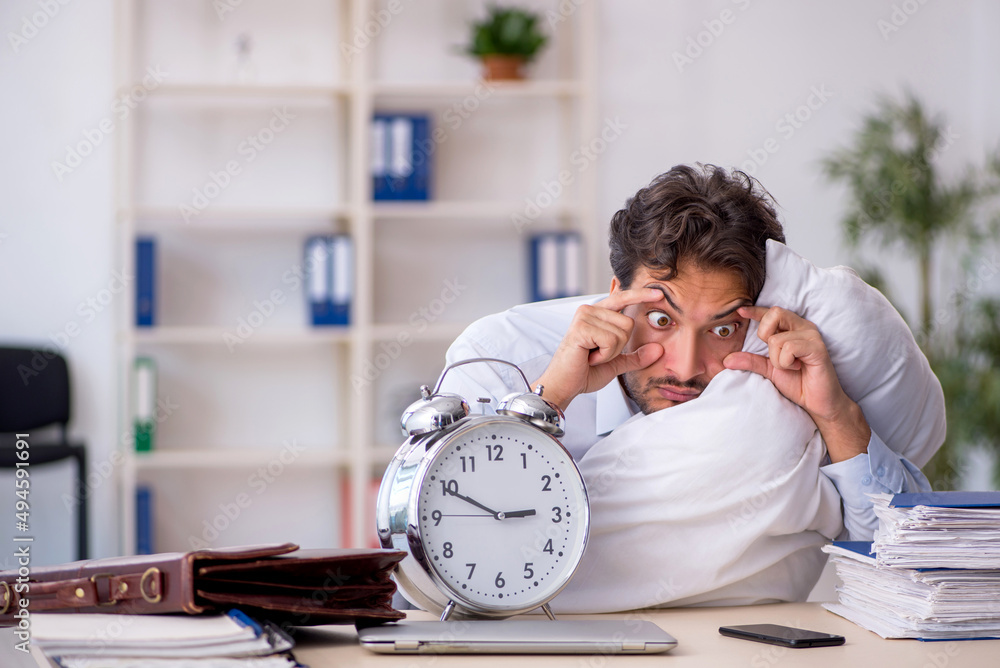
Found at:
(697, 325)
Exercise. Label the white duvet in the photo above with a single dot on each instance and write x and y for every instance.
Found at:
(720, 501)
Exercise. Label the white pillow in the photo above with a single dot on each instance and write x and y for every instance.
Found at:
(718, 501)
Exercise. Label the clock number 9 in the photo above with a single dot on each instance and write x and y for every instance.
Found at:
(436, 516)
(449, 487)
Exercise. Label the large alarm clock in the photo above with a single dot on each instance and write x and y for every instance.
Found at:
(490, 508)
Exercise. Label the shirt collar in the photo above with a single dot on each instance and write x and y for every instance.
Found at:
(613, 408)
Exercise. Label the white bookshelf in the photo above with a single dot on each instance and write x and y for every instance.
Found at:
(352, 440)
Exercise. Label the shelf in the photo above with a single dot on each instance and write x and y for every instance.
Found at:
(242, 219)
(230, 458)
(436, 210)
(283, 91)
(216, 336)
(414, 89)
(186, 125)
(481, 89)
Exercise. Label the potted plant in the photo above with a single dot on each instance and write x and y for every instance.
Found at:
(506, 40)
(898, 196)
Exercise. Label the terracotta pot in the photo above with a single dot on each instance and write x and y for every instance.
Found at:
(500, 67)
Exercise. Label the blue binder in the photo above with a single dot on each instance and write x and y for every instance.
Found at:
(555, 266)
(145, 282)
(329, 279)
(143, 520)
(401, 151)
(949, 499)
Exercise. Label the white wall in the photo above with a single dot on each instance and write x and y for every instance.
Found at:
(727, 103)
(56, 237)
(56, 248)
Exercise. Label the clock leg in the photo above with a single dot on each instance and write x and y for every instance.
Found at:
(548, 612)
(447, 611)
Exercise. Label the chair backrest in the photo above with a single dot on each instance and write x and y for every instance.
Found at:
(34, 389)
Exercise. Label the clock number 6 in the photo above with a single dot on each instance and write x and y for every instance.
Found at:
(500, 582)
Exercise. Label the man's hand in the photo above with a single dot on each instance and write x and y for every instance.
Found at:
(590, 355)
(798, 364)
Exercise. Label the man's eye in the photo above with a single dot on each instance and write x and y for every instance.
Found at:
(726, 331)
(658, 319)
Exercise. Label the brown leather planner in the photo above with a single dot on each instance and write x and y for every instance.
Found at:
(277, 582)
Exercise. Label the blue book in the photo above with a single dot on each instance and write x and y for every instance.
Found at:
(401, 151)
(950, 499)
(555, 265)
(329, 279)
(145, 282)
(341, 249)
(143, 520)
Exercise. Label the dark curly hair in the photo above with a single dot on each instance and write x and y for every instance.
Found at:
(701, 214)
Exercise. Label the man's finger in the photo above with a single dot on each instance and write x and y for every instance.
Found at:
(616, 301)
(605, 341)
(753, 312)
(748, 362)
(634, 361)
(774, 319)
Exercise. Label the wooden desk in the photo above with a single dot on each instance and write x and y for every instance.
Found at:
(698, 644)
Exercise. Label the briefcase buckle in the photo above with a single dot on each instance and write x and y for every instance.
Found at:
(156, 585)
(97, 594)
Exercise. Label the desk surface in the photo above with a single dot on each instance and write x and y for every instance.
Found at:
(698, 644)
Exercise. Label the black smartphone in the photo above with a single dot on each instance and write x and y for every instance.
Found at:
(785, 636)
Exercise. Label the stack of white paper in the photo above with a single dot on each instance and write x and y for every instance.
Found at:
(106, 639)
(924, 536)
(933, 572)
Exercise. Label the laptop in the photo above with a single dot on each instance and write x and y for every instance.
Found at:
(518, 636)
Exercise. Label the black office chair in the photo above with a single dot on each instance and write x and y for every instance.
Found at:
(34, 393)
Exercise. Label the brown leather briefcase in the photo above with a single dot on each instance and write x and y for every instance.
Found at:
(277, 582)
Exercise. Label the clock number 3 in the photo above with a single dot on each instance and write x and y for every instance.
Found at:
(558, 511)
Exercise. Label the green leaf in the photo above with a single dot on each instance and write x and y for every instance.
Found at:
(507, 31)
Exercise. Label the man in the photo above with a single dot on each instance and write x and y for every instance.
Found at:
(688, 255)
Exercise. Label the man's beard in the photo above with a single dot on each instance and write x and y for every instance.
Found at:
(642, 395)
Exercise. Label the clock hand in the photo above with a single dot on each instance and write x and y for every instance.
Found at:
(475, 503)
(520, 513)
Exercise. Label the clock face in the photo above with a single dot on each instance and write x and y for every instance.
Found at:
(503, 515)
